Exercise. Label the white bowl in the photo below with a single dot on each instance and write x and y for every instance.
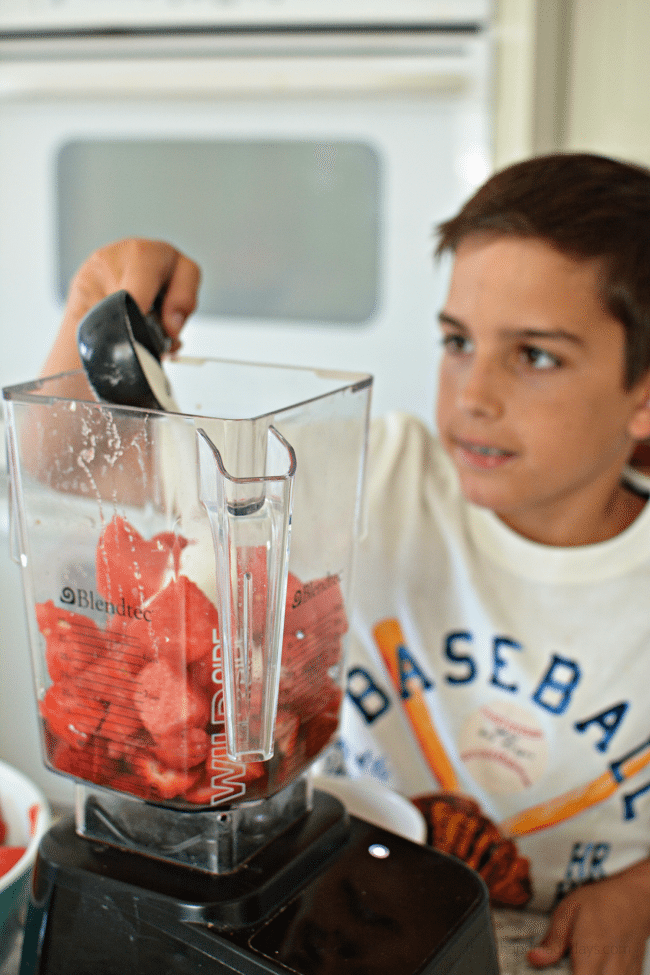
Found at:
(370, 800)
(26, 814)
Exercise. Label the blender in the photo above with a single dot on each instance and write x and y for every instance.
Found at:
(187, 575)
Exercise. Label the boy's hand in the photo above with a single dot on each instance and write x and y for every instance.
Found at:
(141, 267)
(604, 926)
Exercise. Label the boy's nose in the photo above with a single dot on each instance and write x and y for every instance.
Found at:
(480, 391)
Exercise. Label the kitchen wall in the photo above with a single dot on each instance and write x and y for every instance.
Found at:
(572, 75)
(610, 78)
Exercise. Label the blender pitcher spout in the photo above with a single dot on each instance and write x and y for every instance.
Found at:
(250, 518)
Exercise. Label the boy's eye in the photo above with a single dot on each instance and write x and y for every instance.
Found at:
(540, 358)
(456, 343)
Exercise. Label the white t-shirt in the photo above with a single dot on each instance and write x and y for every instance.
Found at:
(524, 669)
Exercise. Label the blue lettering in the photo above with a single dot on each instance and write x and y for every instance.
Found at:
(598, 856)
(585, 864)
(501, 662)
(629, 800)
(576, 868)
(408, 671)
(608, 721)
(372, 765)
(459, 658)
(616, 767)
(557, 686)
(370, 700)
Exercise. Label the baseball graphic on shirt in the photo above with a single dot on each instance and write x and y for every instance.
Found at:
(503, 748)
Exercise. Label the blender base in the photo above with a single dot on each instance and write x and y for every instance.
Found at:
(334, 895)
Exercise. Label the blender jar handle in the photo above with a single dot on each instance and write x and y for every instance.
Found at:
(250, 518)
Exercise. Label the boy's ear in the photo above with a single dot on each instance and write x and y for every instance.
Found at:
(639, 427)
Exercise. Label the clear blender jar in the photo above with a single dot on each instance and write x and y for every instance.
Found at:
(187, 579)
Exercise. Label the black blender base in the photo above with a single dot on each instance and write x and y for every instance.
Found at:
(333, 896)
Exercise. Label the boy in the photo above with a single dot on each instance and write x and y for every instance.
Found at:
(499, 667)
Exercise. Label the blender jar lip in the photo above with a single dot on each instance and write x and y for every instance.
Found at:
(33, 391)
(286, 475)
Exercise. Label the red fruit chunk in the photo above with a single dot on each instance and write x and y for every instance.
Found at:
(207, 674)
(129, 746)
(3, 829)
(287, 726)
(315, 621)
(107, 681)
(314, 610)
(9, 857)
(304, 686)
(72, 641)
(70, 716)
(319, 731)
(168, 783)
(184, 624)
(224, 781)
(91, 763)
(202, 792)
(292, 764)
(131, 567)
(34, 811)
(132, 784)
(127, 643)
(256, 565)
(183, 749)
(119, 724)
(166, 703)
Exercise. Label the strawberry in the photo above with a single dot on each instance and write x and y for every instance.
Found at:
(319, 731)
(90, 763)
(9, 857)
(166, 703)
(120, 723)
(183, 626)
(132, 568)
(127, 643)
(287, 726)
(315, 622)
(183, 749)
(72, 641)
(70, 716)
(168, 783)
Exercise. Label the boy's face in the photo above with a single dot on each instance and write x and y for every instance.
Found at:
(531, 404)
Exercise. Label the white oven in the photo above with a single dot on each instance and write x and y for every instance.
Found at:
(301, 150)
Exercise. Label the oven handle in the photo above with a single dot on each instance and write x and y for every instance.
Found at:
(443, 66)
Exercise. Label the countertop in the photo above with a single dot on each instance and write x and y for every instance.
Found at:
(516, 932)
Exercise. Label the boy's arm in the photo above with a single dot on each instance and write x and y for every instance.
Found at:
(604, 926)
(144, 268)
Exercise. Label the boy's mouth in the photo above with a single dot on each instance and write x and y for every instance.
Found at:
(479, 455)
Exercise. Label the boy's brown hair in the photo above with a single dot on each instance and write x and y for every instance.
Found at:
(589, 207)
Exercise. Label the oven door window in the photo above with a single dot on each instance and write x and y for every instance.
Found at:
(283, 230)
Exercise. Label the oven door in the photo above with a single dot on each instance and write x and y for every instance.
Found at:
(305, 173)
